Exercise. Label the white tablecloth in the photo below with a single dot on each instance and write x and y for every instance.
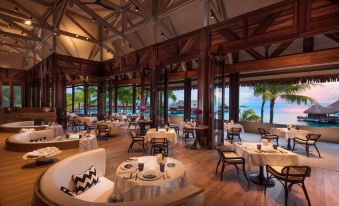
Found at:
(285, 133)
(253, 157)
(89, 120)
(58, 130)
(133, 190)
(230, 125)
(113, 125)
(170, 135)
(86, 143)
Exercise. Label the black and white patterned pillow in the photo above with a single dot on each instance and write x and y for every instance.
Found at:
(67, 191)
(85, 180)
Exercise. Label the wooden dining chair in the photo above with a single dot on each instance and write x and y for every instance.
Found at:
(159, 145)
(103, 129)
(289, 176)
(136, 138)
(310, 140)
(229, 157)
(265, 135)
(233, 133)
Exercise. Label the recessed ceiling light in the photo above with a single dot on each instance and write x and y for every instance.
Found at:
(93, 19)
(77, 35)
(9, 26)
(55, 34)
(105, 28)
(87, 38)
(212, 15)
(29, 21)
(16, 10)
(136, 9)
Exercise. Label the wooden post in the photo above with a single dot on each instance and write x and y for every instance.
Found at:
(165, 96)
(11, 96)
(0, 93)
(142, 88)
(154, 96)
(85, 98)
(187, 98)
(134, 99)
(116, 95)
(234, 96)
(110, 97)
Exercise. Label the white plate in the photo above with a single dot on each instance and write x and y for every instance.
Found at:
(150, 175)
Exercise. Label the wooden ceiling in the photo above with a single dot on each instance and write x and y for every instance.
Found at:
(100, 29)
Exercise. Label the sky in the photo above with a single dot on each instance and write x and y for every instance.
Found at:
(324, 93)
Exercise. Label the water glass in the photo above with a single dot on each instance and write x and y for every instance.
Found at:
(162, 166)
(140, 166)
(259, 147)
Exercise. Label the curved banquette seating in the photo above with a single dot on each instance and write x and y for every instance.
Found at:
(29, 141)
(47, 187)
(14, 127)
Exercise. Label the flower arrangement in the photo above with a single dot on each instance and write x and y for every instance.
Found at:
(143, 108)
(27, 130)
(196, 111)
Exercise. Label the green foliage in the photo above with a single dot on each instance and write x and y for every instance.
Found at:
(249, 115)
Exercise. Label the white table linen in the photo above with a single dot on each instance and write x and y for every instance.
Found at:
(170, 135)
(234, 125)
(58, 130)
(87, 142)
(268, 156)
(89, 120)
(113, 125)
(287, 134)
(138, 189)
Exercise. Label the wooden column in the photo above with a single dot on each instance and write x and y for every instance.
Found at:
(187, 98)
(234, 96)
(110, 97)
(165, 96)
(134, 93)
(86, 99)
(73, 97)
(154, 96)
(116, 95)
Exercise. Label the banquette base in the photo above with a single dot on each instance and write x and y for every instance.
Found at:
(28, 147)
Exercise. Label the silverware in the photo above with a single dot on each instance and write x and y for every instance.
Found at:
(163, 176)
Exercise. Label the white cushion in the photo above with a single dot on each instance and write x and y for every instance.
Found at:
(101, 192)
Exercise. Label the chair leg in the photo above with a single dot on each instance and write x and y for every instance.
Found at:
(306, 194)
(222, 170)
(293, 145)
(216, 169)
(317, 150)
(143, 147)
(290, 187)
(243, 170)
(307, 151)
(286, 193)
(130, 146)
(237, 168)
(277, 140)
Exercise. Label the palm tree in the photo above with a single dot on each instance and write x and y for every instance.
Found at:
(290, 93)
(249, 115)
(261, 90)
(171, 95)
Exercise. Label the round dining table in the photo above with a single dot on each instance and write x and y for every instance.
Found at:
(199, 133)
(131, 184)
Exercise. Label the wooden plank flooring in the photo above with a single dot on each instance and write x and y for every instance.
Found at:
(17, 177)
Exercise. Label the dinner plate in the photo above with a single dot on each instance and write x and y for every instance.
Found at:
(127, 166)
(171, 164)
(150, 175)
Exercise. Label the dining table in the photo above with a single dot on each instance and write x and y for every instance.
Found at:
(111, 124)
(289, 133)
(199, 131)
(228, 126)
(266, 155)
(133, 183)
(168, 134)
(86, 142)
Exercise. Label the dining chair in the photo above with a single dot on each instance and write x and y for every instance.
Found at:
(175, 127)
(289, 176)
(232, 133)
(310, 140)
(228, 156)
(186, 133)
(265, 135)
(103, 129)
(159, 145)
(78, 124)
(131, 121)
(136, 138)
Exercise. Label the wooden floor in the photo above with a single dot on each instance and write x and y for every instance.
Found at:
(17, 177)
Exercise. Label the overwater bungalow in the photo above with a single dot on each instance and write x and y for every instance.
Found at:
(318, 113)
(98, 58)
(334, 106)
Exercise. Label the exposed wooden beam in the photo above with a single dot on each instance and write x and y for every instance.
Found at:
(32, 14)
(317, 58)
(266, 23)
(281, 48)
(229, 34)
(13, 45)
(79, 25)
(136, 33)
(175, 7)
(60, 14)
(17, 36)
(215, 11)
(308, 44)
(254, 53)
(30, 33)
(333, 36)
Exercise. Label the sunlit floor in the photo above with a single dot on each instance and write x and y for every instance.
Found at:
(17, 176)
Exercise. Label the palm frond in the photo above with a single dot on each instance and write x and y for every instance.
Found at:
(299, 99)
